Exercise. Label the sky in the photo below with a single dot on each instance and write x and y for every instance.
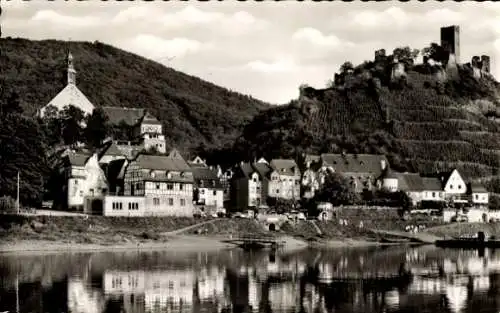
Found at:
(264, 49)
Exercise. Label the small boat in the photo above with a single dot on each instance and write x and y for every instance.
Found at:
(478, 242)
(395, 240)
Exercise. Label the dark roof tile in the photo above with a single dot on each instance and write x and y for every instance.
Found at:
(131, 116)
(352, 163)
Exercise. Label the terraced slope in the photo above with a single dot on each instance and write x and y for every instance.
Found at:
(417, 127)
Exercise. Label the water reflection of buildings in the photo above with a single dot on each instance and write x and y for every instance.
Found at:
(82, 299)
(447, 281)
(168, 290)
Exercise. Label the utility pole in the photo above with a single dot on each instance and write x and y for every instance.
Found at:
(17, 204)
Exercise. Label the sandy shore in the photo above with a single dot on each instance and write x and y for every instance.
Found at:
(182, 243)
(177, 243)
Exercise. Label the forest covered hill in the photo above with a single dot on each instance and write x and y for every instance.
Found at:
(194, 112)
(427, 119)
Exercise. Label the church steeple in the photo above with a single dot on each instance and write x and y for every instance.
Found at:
(71, 70)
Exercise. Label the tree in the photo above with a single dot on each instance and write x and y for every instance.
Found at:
(97, 128)
(9, 102)
(405, 54)
(494, 202)
(23, 151)
(51, 112)
(435, 52)
(347, 66)
(337, 190)
(72, 118)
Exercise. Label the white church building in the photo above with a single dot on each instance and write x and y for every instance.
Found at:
(70, 95)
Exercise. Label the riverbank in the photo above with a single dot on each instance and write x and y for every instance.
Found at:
(98, 233)
(179, 243)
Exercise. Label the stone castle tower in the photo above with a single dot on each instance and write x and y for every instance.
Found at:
(450, 41)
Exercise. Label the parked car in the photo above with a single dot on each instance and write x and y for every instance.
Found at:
(460, 219)
(199, 214)
(237, 215)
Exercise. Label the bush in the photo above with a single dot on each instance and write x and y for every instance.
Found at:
(494, 202)
(149, 235)
(7, 204)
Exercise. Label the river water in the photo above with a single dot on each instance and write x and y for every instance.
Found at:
(311, 280)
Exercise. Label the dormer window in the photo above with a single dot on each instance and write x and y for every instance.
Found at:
(182, 174)
(169, 175)
(152, 174)
(283, 170)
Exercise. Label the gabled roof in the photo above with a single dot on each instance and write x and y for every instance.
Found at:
(149, 119)
(70, 95)
(352, 163)
(246, 169)
(131, 116)
(410, 181)
(415, 182)
(206, 177)
(78, 159)
(263, 169)
(160, 162)
(111, 149)
(116, 169)
(284, 166)
(477, 188)
(432, 184)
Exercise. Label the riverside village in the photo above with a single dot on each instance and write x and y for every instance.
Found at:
(127, 185)
(137, 176)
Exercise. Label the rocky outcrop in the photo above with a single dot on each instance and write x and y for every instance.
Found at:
(398, 72)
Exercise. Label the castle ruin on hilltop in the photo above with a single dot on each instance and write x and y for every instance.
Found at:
(444, 60)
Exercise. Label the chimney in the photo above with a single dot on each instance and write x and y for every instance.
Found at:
(383, 165)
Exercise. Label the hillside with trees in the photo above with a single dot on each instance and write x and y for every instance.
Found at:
(194, 112)
(424, 117)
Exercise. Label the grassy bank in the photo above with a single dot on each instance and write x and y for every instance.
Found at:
(124, 231)
(462, 229)
(93, 230)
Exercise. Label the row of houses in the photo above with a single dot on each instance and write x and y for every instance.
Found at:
(110, 183)
(119, 179)
(373, 172)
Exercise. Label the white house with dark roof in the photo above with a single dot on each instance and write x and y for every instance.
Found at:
(166, 183)
(362, 170)
(70, 95)
(147, 130)
(284, 180)
(479, 194)
(208, 190)
(416, 187)
(454, 185)
(86, 183)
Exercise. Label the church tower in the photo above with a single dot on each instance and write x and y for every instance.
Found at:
(71, 70)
